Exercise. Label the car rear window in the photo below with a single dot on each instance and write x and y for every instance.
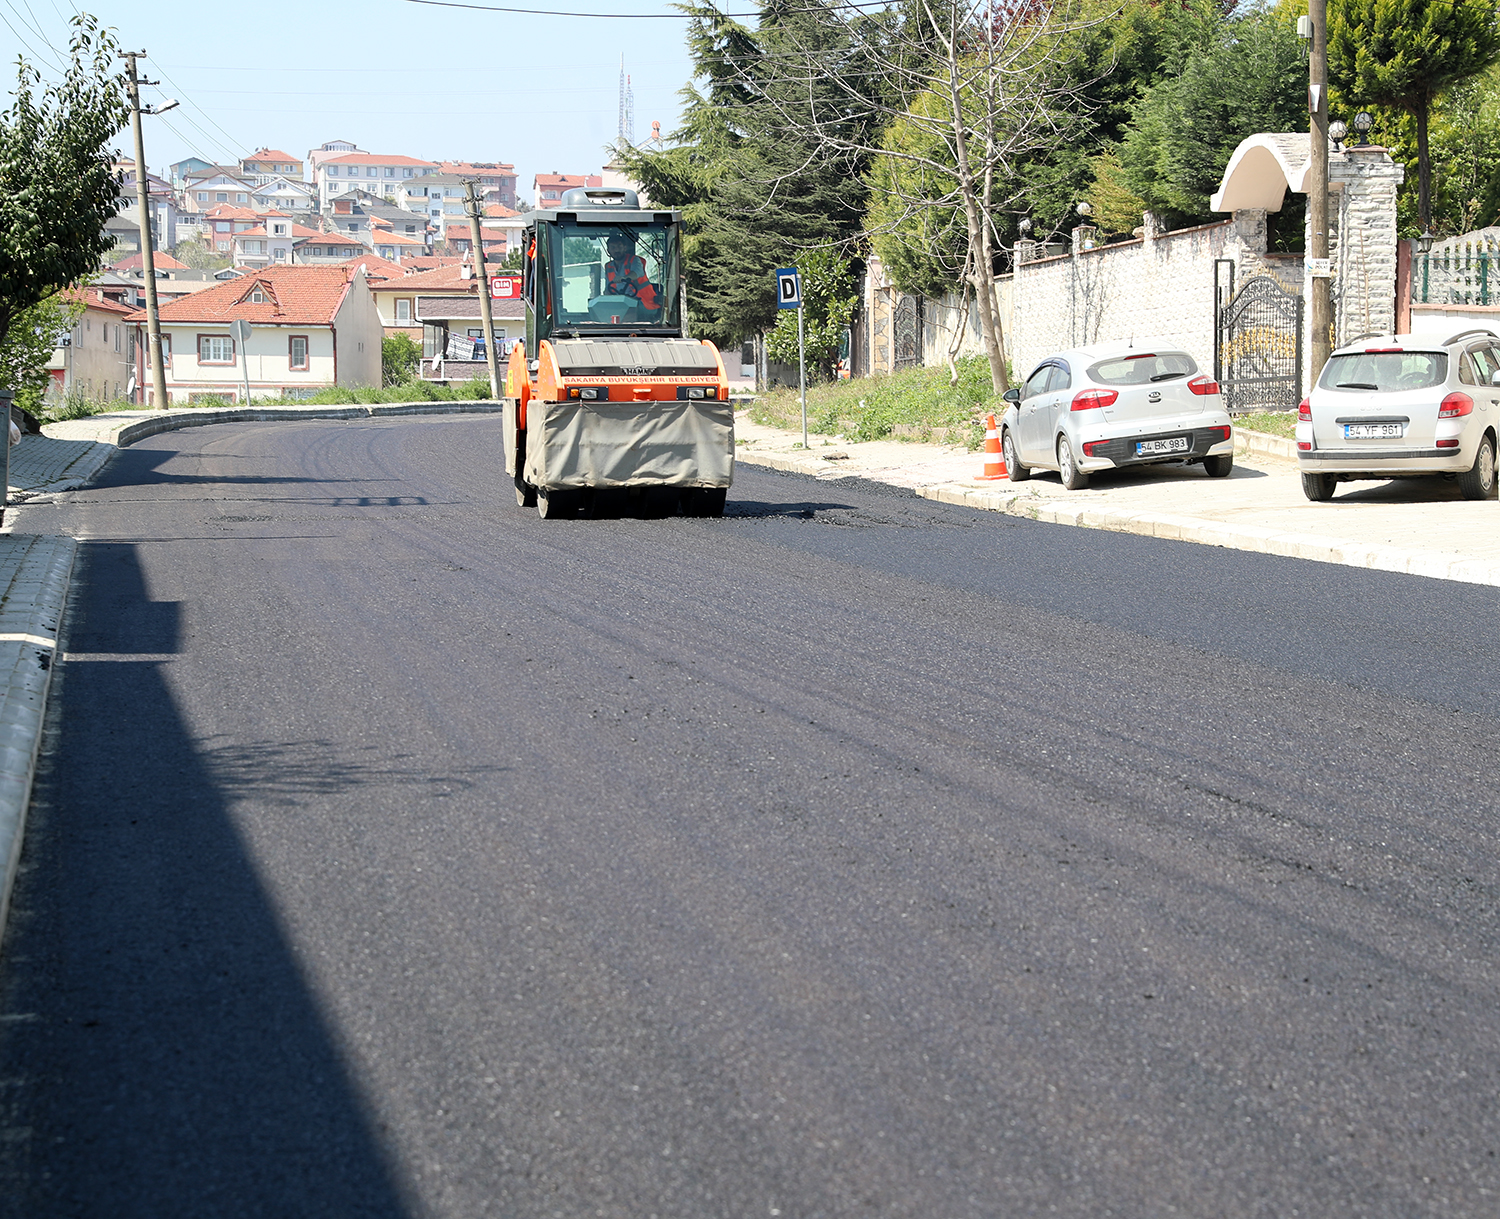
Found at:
(1385, 372)
(1143, 369)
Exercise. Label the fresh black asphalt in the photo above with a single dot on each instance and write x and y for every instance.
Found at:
(397, 853)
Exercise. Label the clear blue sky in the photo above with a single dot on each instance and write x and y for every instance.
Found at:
(392, 76)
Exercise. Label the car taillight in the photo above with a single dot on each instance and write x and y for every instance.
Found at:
(1448, 442)
(1202, 385)
(1090, 445)
(1093, 399)
(1455, 405)
(1218, 435)
(1305, 445)
(1304, 411)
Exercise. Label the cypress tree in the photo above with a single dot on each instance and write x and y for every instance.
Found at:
(1405, 54)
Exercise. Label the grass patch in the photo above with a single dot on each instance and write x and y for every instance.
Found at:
(917, 404)
(1272, 423)
(76, 406)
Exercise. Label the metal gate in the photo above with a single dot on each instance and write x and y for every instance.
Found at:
(1258, 342)
(908, 327)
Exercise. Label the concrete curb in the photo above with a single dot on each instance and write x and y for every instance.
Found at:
(110, 433)
(37, 571)
(1174, 527)
(1264, 444)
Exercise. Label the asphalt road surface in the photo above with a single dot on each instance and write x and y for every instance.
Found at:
(396, 853)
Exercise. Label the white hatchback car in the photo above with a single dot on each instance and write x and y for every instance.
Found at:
(1404, 406)
(1112, 405)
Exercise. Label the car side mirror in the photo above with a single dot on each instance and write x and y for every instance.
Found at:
(1014, 395)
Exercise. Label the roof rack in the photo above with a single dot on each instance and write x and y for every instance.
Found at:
(1463, 334)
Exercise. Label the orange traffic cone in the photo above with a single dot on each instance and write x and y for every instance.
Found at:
(994, 461)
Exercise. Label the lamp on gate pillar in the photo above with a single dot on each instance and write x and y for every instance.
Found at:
(1338, 130)
(1362, 124)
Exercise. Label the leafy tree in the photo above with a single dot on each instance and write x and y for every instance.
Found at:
(1406, 54)
(828, 300)
(29, 343)
(57, 188)
(195, 252)
(1248, 76)
(400, 357)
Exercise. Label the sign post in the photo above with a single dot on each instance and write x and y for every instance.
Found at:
(240, 332)
(789, 296)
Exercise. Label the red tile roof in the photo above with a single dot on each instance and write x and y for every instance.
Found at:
(500, 210)
(95, 299)
(271, 154)
(296, 296)
(370, 158)
(430, 262)
(160, 259)
(228, 211)
(377, 269)
(568, 180)
(439, 278)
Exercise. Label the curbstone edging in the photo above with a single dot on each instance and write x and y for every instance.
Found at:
(31, 609)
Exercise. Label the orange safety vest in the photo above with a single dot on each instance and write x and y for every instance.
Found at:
(628, 278)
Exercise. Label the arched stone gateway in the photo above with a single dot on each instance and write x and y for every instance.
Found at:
(1362, 243)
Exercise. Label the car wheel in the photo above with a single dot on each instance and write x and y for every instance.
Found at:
(1073, 478)
(1218, 467)
(1478, 482)
(1318, 487)
(1015, 471)
(525, 493)
(551, 505)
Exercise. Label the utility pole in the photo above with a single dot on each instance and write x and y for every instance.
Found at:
(472, 206)
(1320, 345)
(143, 197)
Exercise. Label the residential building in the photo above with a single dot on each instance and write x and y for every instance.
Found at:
(396, 247)
(311, 328)
(266, 163)
(95, 358)
(497, 180)
(334, 148)
(502, 229)
(435, 196)
(222, 221)
(162, 202)
(324, 248)
(267, 243)
(286, 195)
(181, 170)
(614, 177)
(548, 189)
(361, 213)
(135, 264)
(205, 191)
(396, 298)
(377, 173)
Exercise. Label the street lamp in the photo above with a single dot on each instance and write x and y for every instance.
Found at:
(1085, 209)
(1362, 124)
(1337, 131)
(1424, 242)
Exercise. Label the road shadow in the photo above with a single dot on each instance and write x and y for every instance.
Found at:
(161, 1053)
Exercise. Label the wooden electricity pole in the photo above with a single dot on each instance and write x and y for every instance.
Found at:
(1320, 343)
(143, 196)
(475, 211)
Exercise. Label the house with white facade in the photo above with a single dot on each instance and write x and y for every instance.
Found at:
(95, 359)
(311, 328)
(203, 192)
(380, 174)
(547, 190)
(266, 163)
(496, 179)
(321, 248)
(286, 195)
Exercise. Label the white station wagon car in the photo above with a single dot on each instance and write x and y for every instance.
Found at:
(1403, 406)
(1116, 404)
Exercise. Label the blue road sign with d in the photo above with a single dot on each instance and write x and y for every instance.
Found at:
(788, 288)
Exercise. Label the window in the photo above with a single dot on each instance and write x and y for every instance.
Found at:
(223, 246)
(202, 196)
(279, 254)
(390, 172)
(257, 297)
(220, 197)
(333, 171)
(215, 349)
(166, 350)
(254, 247)
(372, 172)
(279, 230)
(406, 173)
(403, 310)
(1037, 382)
(239, 198)
(298, 351)
(117, 337)
(411, 228)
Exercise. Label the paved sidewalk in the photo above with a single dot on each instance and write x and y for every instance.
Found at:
(1421, 527)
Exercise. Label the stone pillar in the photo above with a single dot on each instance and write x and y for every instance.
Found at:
(1247, 242)
(1364, 257)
